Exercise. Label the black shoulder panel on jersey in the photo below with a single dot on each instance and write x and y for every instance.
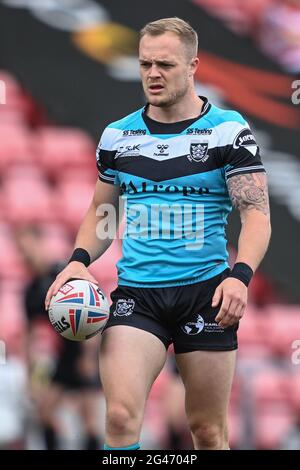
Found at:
(107, 158)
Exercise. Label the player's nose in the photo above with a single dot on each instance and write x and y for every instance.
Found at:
(153, 71)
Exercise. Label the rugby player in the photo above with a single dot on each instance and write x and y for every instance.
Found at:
(181, 164)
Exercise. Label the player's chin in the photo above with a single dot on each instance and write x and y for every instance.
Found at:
(157, 100)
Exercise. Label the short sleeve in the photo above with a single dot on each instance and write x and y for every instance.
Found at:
(241, 154)
(105, 156)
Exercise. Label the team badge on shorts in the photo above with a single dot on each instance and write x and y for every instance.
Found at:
(198, 152)
(124, 307)
(194, 328)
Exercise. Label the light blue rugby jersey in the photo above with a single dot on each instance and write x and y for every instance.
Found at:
(173, 179)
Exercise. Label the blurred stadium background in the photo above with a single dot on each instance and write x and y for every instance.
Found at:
(67, 68)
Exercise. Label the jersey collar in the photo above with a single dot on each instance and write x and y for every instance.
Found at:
(156, 127)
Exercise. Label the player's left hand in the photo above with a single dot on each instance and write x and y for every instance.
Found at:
(233, 294)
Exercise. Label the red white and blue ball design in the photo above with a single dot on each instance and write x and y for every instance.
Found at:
(79, 310)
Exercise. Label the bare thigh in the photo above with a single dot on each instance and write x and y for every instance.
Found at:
(207, 376)
(130, 361)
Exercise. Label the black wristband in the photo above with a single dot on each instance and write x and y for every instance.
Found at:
(81, 255)
(243, 272)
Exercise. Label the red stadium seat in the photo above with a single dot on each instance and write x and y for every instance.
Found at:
(294, 391)
(249, 328)
(61, 149)
(155, 412)
(28, 201)
(269, 386)
(271, 426)
(77, 175)
(54, 229)
(18, 102)
(272, 412)
(283, 326)
(251, 334)
(56, 248)
(12, 86)
(104, 269)
(12, 117)
(11, 266)
(15, 144)
(23, 171)
(237, 14)
(12, 318)
(72, 201)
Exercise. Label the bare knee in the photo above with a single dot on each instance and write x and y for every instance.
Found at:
(208, 435)
(121, 420)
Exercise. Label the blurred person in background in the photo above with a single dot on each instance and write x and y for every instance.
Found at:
(278, 33)
(13, 402)
(58, 368)
(291, 440)
(239, 16)
(274, 25)
(177, 148)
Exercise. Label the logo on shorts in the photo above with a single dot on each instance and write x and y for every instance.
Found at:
(194, 328)
(197, 324)
(124, 307)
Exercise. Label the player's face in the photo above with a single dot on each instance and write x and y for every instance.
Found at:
(165, 69)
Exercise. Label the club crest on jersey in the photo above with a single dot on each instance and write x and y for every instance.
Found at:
(198, 152)
(124, 307)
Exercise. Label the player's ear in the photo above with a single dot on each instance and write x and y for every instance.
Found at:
(194, 65)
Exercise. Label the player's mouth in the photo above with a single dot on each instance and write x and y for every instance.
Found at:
(154, 89)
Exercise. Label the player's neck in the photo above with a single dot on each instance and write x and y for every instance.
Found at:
(188, 108)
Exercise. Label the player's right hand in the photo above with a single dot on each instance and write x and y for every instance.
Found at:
(76, 270)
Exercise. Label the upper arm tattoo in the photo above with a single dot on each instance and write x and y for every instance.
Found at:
(249, 191)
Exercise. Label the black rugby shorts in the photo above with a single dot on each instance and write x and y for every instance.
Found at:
(181, 315)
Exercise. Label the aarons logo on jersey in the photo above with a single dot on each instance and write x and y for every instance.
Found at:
(244, 138)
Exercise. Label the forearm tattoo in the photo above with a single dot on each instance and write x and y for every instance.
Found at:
(249, 191)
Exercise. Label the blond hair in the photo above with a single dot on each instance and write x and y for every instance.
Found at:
(181, 28)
